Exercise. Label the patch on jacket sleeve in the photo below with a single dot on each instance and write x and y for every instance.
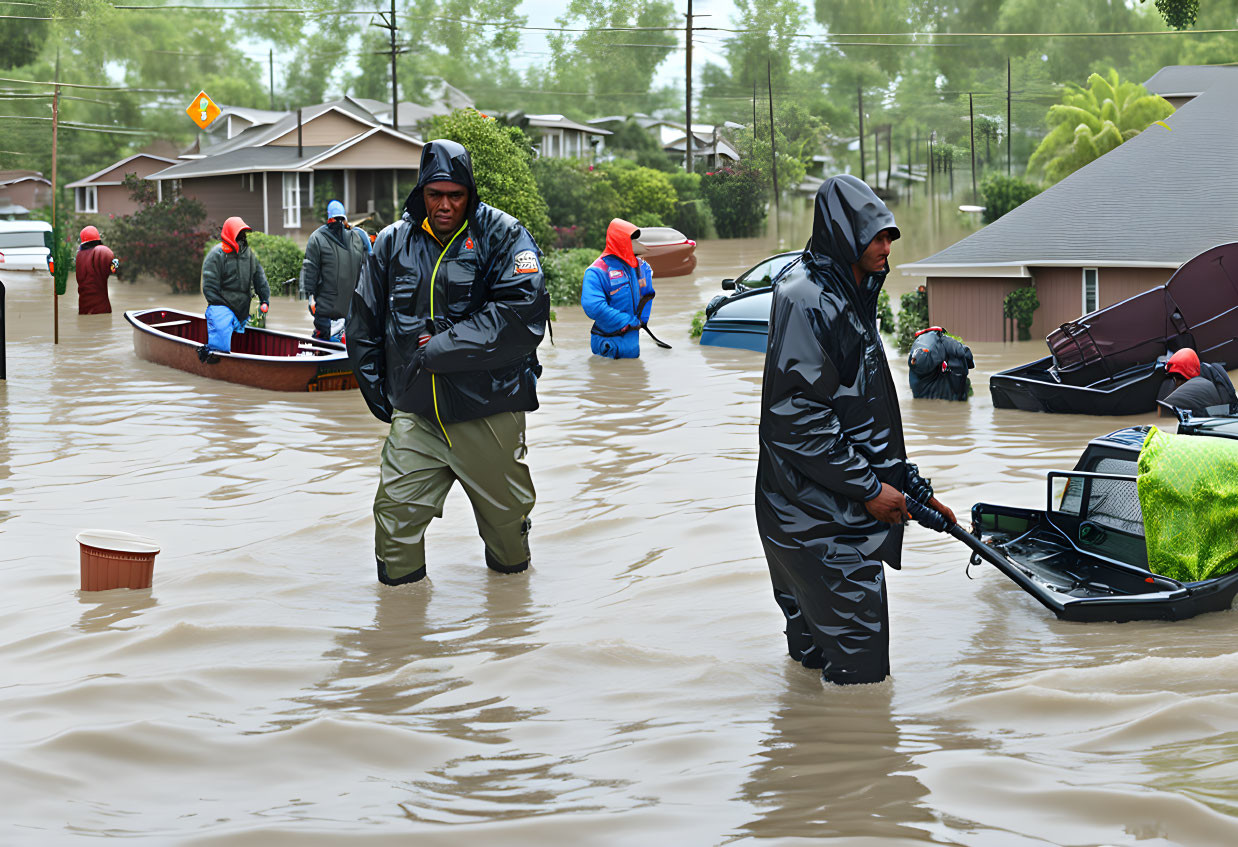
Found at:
(526, 262)
(616, 274)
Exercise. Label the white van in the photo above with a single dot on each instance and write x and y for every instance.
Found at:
(22, 247)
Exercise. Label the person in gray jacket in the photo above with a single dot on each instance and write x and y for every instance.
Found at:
(231, 275)
(332, 265)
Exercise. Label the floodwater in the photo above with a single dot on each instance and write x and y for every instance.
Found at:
(632, 688)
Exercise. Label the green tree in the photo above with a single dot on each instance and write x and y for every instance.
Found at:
(603, 62)
(642, 190)
(577, 197)
(1092, 121)
(501, 167)
(1179, 14)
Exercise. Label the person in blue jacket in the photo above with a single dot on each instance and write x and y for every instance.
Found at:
(618, 293)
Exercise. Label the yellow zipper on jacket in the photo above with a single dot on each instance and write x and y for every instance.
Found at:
(433, 276)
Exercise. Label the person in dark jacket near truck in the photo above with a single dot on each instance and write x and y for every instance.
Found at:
(231, 275)
(832, 470)
(442, 333)
(332, 265)
(94, 264)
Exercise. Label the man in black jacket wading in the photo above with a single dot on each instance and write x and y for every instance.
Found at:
(832, 469)
(441, 333)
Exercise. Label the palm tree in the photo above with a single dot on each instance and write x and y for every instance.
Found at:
(1092, 121)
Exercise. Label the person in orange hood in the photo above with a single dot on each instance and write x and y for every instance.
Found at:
(231, 274)
(94, 264)
(617, 293)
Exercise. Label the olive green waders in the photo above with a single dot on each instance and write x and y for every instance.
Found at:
(418, 469)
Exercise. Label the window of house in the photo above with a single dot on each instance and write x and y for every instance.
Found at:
(88, 199)
(292, 201)
(1091, 290)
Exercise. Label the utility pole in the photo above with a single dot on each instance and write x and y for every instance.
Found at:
(889, 153)
(877, 155)
(754, 117)
(859, 101)
(1008, 126)
(391, 25)
(971, 123)
(55, 191)
(271, 65)
(911, 161)
(773, 151)
(687, 32)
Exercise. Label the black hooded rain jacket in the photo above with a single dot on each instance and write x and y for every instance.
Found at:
(830, 434)
(482, 297)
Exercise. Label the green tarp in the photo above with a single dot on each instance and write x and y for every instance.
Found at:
(1188, 491)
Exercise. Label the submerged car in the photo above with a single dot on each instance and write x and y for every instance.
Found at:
(741, 320)
(1084, 556)
(668, 251)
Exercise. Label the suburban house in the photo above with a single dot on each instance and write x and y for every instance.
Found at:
(272, 174)
(21, 191)
(104, 193)
(1114, 228)
(1179, 84)
(565, 139)
(710, 145)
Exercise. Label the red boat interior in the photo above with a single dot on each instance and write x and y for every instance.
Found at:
(255, 342)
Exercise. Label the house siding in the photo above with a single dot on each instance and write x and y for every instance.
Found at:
(327, 129)
(29, 193)
(971, 307)
(377, 151)
(225, 196)
(115, 201)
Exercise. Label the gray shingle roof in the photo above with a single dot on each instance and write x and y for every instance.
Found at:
(1159, 199)
(244, 160)
(1179, 80)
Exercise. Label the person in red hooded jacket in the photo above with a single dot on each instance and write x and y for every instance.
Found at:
(617, 293)
(95, 263)
(231, 276)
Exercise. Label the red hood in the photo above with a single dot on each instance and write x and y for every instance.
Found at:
(232, 228)
(619, 241)
(1185, 362)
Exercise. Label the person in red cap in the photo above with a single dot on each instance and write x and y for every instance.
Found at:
(95, 263)
(1199, 385)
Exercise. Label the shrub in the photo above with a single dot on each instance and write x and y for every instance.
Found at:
(646, 219)
(565, 272)
(163, 237)
(691, 217)
(885, 315)
(577, 198)
(913, 316)
(698, 324)
(642, 189)
(1004, 193)
(736, 198)
(501, 166)
(1021, 304)
(280, 257)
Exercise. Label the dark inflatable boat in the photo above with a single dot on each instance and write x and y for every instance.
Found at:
(1083, 557)
(1111, 362)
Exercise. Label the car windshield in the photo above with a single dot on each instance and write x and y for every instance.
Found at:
(13, 240)
(765, 272)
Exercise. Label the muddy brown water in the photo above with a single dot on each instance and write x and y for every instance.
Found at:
(631, 689)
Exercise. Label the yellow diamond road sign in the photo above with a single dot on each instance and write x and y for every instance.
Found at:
(203, 110)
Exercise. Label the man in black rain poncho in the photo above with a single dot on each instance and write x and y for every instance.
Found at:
(441, 333)
(832, 469)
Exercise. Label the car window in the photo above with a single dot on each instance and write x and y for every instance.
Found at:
(764, 273)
